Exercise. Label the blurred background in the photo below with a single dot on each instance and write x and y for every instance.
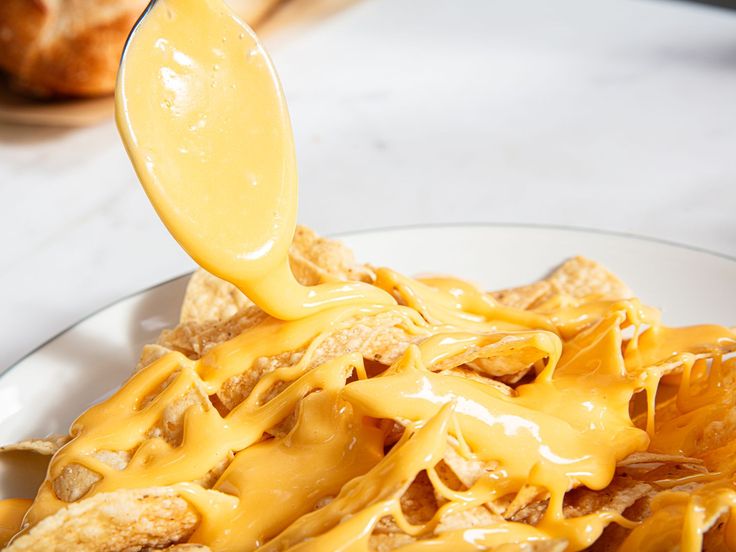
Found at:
(617, 115)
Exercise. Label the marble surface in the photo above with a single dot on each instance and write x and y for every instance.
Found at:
(616, 115)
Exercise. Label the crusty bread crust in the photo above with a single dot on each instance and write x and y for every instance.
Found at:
(73, 47)
(65, 47)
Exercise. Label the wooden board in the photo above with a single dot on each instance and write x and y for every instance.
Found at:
(17, 109)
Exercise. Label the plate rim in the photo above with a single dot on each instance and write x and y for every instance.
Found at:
(390, 228)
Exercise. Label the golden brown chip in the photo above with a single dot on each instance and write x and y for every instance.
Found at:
(646, 457)
(550, 545)
(47, 446)
(614, 535)
(577, 277)
(171, 425)
(385, 542)
(580, 278)
(505, 356)
(238, 387)
(151, 353)
(418, 503)
(716, 428)
(467, 471)
(448, 478)
(527, 495)
(467, 518)
(380, 337)
(469, 372)
(621, 493)
(188, 547)
(194, 339)
(128, 520)
(211, 299)
(514, 353)
(522, 297)
(315, 259)
(76, 480)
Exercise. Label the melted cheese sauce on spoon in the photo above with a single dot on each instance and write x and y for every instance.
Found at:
(206, 126)
(205, 123)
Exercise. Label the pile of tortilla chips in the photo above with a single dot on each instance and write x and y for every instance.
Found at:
(649, 487)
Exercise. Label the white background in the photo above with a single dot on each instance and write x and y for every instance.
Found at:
(613, 114)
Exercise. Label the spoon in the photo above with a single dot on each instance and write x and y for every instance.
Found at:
(204, 121)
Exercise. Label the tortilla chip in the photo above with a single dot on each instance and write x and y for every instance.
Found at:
(315, 259)
(150, 354)
(582, 278)
(550, 545)
(211, 299)
(194, 339)
(522, 297)
(380, 337)
(645, 457)
(621, 493)
(505, 356)
(512, 354)
(528, 494)
(578, 277)
(385, 542)
(418, 503)
(471, 373)
(448, 478)
(170, 427)
(237, 388)
(614, 535)
(624, 496)
(47, 446)
(715, 429)
(466, 471)
(468, 518)
(530, 514)
(76, 480)
(129, 520)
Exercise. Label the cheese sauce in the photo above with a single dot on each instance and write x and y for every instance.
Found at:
(12, 511)
(204, 121)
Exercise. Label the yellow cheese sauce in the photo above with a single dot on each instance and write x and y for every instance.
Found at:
(12, 511)
(307, 460)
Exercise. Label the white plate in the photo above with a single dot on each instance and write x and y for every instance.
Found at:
(46, 390)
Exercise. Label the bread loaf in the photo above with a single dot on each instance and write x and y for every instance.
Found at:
(72, 47)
